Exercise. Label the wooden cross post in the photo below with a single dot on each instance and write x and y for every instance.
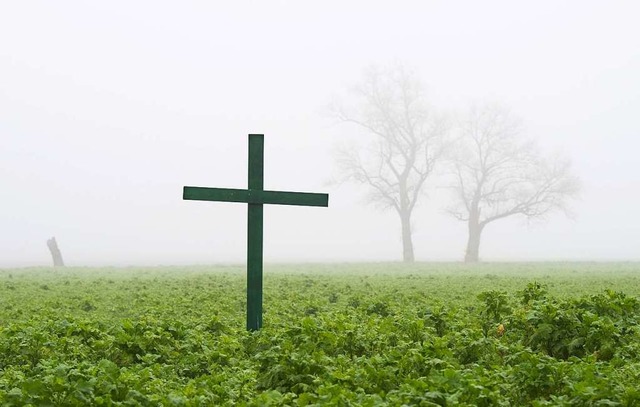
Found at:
(256, 197)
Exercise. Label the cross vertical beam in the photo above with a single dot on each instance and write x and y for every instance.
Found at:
(255, 234)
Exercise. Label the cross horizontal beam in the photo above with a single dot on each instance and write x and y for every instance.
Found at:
(255, 196)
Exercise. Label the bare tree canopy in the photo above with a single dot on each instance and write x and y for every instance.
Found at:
(498, 173)
(406, 143)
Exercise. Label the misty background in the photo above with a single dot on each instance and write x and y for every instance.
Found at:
(107, 109)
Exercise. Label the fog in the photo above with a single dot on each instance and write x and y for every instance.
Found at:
(107, 109)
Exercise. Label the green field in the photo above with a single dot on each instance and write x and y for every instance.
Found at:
(335, 334)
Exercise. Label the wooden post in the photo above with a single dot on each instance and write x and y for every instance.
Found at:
(55, 252)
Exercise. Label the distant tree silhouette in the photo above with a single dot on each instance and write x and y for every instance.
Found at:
(497, 173)
(406, 143)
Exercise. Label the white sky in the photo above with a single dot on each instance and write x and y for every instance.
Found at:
(108, 108)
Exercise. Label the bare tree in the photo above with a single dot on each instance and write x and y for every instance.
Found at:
(498, 173)
(405, 144)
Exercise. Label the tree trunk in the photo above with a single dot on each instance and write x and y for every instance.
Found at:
(407, 240)
(55, 252)
(473, 243)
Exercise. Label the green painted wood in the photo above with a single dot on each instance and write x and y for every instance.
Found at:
(255, 234)
(215, 194)
(255, 196)
(291, 198)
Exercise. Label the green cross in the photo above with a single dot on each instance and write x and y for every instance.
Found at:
(255, 196)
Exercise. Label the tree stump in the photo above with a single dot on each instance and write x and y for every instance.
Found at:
(55, 252)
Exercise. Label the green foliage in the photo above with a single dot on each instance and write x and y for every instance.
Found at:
(426, 335)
